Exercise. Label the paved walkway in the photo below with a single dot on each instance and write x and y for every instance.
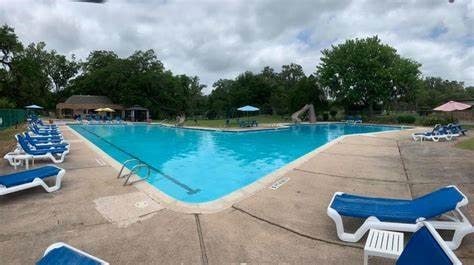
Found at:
(288, 225)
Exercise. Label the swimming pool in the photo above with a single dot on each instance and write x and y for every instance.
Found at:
(196, 166)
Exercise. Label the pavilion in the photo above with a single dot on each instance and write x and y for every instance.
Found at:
(136, 113)
(85, 104)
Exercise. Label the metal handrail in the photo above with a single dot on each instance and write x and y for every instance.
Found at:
(123, 166)
(134, 169)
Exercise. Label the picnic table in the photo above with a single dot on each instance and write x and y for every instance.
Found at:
(248, 123)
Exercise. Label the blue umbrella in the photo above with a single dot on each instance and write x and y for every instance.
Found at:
(248, 108)
(33, 107)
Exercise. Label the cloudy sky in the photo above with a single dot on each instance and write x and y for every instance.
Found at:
(219, 39)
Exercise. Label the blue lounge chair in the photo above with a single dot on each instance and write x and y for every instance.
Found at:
(62, 253)
(42, 130)
(353, 120)
(31, 117)
(357, 119)
(439, 132)
(43, 137)
(401, 215)
(56, 155)
(42, 140)
(118, 120)
(43, 145)
(456, 128)
(55, 148)
(31, 178)
(349, 119)
(41, 124)
(44, 133)
(426, 247)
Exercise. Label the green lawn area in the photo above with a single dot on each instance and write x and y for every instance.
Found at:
(7, 140)
(466, 144)
(221, 123)
(469, 143)
(466, 126)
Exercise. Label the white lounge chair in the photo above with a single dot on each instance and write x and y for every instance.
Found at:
(27, 179)
(402, 215)
(62, 253)
(435, 137)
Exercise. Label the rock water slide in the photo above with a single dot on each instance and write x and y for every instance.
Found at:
(295, 117)
(180, 120)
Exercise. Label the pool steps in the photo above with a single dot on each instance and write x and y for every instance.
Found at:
(132, 171)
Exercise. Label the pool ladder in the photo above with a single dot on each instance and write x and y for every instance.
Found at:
(133, 171)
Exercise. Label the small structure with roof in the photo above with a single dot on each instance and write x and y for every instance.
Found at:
(84, 104)
(137, 113)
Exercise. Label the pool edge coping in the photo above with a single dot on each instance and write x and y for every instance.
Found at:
(279, 126)
(235, 196)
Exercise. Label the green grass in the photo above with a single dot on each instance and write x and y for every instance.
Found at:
(466, 144)
(221, 123)
(7, 140)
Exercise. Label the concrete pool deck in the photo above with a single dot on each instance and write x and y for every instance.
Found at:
(93, 211)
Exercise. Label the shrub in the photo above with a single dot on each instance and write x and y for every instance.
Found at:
(333, 114)
(451, 120)
(407, 119)
(325, 116)
(211, 114)
(5, 103)
(433, 120)
(382, 119)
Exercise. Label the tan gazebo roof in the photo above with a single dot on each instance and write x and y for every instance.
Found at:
(88, 99)
(88, 102)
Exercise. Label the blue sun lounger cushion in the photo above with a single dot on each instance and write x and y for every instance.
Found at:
(40, 122)
(424, 249)
(41, 139)
(27, 176)
(44, 145)
(428, 206)
(30, 151)
(61, 253)
(40, 132)
(44, 129)
(65, 255)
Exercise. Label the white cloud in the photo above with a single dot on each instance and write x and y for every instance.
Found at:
(219, 39)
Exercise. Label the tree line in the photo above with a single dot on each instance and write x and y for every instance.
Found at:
(357, 75)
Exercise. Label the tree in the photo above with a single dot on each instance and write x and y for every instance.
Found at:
(362, 73)
(291, 74)
(307, 91)
(470, 91)
(367, 73)
(274, 93)
(61, 70)
(9, 45)
(5, 103)
(434, 91)
(28, 74)
(219, 102)
(139, 79)
(30, 82)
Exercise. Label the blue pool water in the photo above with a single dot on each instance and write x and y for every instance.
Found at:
(198, 166)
